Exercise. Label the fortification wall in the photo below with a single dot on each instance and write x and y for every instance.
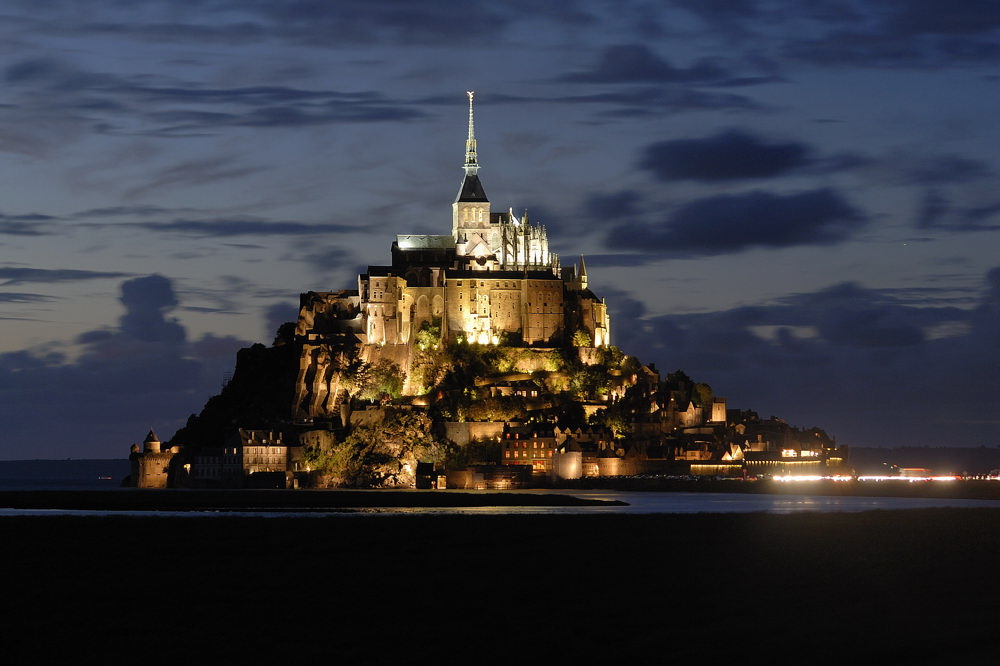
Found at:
(468, 431)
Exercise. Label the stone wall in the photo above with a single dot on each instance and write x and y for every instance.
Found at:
(465, 432)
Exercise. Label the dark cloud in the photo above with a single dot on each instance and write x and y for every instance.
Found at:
(637, 63)
(277, 314)
(30, 224)
(622, 259)
(77, 100)
(870, 365)
(224, 228)
(395, 21)
(733, 222)
(942, 169)
(127, 378)
(729, 155)
(865, 33)
(937, 211)
(330, 258)
(613, 205)
(847, 314)
(12, 276)
(129, 211)
(316, 24)
(22, 297)
(195, 172)
(644, 101)
(907, 33)
(146, 301)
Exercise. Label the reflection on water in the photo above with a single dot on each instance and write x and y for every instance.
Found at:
(637, 503)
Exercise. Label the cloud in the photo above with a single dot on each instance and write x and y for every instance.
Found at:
(195, 172)
(863, 33)
(637, 63)
(622, 259)
(226, 228)
(612, 205)
(23, 297)
(146, 300)
(11, 276)
(20, 226)
(653, 101)
(870, 365)
(730, 155)
(728, 223)
(915, 33)
(73, 101)
(321, 25)
(128, 211)
(277, 314)
(937, 211)
(942, 169)
(141, 373)
(329, 258)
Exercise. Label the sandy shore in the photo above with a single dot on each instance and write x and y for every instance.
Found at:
(892, 586)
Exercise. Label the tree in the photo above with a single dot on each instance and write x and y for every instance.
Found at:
(379, 380)
(383, 454)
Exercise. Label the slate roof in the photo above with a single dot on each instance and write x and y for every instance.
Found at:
(472, 189)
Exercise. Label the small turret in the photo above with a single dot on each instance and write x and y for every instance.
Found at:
(152, 443)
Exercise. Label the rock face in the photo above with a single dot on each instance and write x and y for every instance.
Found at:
(257, 397)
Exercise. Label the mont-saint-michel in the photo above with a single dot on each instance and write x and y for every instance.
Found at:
(474, 359)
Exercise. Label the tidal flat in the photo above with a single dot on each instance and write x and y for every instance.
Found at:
(893, 586)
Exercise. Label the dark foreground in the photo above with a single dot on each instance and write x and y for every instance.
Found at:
(892, 587)
(274, 500)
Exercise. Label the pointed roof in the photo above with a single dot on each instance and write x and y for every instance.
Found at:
(151, 437)
(471, 190)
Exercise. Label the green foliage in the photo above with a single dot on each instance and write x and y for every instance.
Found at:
(499, 408)
(582, 339)
(702, 394)
(377, 381)
(630, 366)
(678, 380)
(382, 454)
(615, 357)
(429, 334)
(617, 418)
(589, 381)
(285, 334)
(431, 362)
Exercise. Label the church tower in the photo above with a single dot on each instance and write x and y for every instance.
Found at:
(470, 217)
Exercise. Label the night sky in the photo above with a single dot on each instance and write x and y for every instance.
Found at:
(793, 201)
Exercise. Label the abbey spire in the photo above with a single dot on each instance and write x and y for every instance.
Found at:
(471, 165)
(472, 188)
(471, 210)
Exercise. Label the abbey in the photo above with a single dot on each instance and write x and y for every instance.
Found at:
(477, 351)
(492, 278)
